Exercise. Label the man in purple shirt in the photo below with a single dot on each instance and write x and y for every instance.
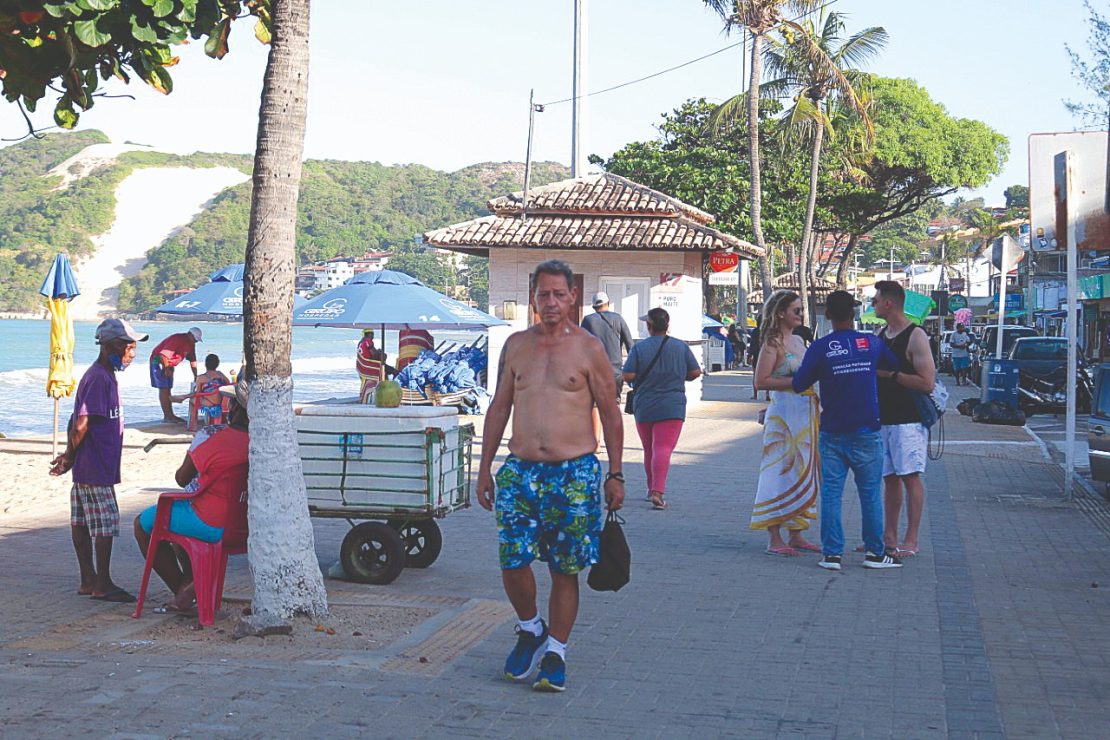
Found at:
(845, 362)
(94, 449)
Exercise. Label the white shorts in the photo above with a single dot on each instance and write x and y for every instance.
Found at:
(905, 449)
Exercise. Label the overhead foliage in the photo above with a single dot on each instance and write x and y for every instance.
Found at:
(710, 169)
(1092, 70)
(72, 46)
(919, 153)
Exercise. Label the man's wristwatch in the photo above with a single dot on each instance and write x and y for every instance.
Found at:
(614, 476)
(894, 375)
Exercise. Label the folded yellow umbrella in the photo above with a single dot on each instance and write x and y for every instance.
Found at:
(60, 382)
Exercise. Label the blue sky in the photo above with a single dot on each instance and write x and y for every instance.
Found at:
(445, 82)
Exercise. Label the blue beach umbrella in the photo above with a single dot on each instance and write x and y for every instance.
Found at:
(708, 322)
(221, 296)
(59, 281)
(392, 300)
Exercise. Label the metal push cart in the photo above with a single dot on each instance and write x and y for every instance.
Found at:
(401, 469)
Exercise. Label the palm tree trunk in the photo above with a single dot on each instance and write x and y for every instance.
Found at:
(811, 207)
(282, 552)
(756, 194)
(842, 268)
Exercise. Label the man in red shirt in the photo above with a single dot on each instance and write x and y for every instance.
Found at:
(216, 468)
(164, 358)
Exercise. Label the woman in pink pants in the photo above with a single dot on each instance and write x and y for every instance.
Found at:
(658, 369)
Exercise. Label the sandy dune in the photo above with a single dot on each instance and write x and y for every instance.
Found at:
(151, 204)
(88, 159)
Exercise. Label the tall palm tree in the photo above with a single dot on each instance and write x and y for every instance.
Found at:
(815, 61)
(757, 17)
(282, 554)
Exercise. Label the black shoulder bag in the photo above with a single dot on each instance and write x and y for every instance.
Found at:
(629, 402)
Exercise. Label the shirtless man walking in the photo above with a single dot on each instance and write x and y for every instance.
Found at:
(547, 493)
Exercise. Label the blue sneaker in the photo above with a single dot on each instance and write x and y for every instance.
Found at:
(524, 658)
(553, 674)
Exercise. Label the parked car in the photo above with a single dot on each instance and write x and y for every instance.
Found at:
(1039, 356)
(1098, 426)
(1010, 334)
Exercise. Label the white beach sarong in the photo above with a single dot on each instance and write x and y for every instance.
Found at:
(789, 473)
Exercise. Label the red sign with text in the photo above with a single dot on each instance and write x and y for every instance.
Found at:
(723, 261)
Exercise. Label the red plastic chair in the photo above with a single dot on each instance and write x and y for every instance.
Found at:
(208, 559)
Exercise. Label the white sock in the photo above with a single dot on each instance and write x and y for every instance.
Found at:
(533, 625)
(554, 646)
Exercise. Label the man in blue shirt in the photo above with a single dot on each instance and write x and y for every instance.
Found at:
(845, 363)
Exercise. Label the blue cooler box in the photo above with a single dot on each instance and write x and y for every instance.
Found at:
(1000, 381)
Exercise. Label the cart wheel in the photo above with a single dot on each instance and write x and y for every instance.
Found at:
(423, 541)
(372, 552)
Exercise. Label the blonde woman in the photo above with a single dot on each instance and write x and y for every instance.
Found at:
(789, 473)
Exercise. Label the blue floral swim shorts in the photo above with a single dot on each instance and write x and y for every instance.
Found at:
(550, 511)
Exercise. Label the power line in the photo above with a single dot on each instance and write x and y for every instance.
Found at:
(680, 66)
(648, 77)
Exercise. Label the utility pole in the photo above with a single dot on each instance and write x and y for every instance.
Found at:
(578, 106)
(533, 109)
(742, 272)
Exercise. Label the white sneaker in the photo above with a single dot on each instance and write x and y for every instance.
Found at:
(830, 562)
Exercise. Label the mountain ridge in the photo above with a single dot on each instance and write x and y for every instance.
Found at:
(346, 208)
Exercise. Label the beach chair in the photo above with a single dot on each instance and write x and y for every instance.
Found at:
(208, 559)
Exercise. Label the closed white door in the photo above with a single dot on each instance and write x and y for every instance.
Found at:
(629, 297)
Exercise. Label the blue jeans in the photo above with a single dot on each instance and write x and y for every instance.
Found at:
(862, 453)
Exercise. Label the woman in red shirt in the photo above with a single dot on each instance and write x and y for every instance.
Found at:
(216, 468)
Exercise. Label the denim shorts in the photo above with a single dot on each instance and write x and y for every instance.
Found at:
(183, 521)
(550, 511)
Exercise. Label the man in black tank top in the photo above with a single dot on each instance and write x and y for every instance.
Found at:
(905, 438)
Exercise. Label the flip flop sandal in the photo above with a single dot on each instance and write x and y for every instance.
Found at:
(809, 547)
(783, 552)
(658, 503)
(171, 609)
(119, 596)
(904, 552)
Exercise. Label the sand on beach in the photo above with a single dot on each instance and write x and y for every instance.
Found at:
(151, 205)
(30, 496)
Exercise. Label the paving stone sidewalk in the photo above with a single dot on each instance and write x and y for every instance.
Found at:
(998, 627)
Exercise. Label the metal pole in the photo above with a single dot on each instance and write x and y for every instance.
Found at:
(528, 154)
(1001, 307)
(890, 272)
(1069, 423)
(578, 91)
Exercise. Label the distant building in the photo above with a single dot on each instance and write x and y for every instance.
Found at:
(370, 262)
(334, 274)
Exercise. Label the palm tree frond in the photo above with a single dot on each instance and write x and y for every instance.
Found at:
(860, 48)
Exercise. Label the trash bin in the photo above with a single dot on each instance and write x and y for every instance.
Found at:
(1001, 382)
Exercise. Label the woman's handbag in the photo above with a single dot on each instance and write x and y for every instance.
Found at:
(629, 403)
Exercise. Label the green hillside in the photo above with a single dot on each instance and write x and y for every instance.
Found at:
(346, 208)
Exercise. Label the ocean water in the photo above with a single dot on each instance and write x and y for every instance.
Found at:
(323, 367)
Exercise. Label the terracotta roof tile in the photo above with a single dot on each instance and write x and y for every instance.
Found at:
(585, 232)
(602, 194)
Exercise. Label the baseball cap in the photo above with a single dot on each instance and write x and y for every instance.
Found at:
(195, 331)
(841, 303)
(600, 298)
(110, 329)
